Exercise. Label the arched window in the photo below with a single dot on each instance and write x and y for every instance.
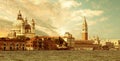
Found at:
(4, 48)
(10, 48)
(23, 48)
(4, 44)
(17, 47)
(23, 44)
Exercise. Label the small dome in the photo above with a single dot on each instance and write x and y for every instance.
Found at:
(27, 26)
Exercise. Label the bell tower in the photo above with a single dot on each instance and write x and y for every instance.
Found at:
(84, 30)
(19, 16)
(33, 26)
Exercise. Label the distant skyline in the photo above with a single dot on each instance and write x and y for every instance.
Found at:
(55, 17)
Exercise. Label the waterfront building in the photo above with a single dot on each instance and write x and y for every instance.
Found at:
(69, 39)
(21, 27)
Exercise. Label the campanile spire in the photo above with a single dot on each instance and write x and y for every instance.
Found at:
(84, 29)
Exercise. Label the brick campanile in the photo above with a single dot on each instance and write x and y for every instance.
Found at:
(84, 30)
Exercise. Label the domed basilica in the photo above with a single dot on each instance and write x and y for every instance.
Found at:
(22, 28)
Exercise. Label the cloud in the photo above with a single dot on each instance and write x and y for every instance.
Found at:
(103, 19)
(37, 2)
(89, 12)
(92, 23)
(87, 0)
(4, 27)
(46, 30)
(98, 20)
(69, 3)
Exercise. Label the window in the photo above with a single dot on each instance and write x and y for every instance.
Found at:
(4, 48)
(4, 44)
(16, 44)
(17, 48)
(23, 45)
(10, 48)
(23, 48)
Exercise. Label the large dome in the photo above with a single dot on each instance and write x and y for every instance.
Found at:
(17, 24)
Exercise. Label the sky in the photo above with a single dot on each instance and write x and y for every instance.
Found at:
(55, 17)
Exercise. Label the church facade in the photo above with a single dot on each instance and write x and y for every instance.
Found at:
(22, 27)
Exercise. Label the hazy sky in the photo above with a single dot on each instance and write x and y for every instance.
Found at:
(54, 17)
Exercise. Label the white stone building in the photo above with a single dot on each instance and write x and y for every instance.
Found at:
(21, 27)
